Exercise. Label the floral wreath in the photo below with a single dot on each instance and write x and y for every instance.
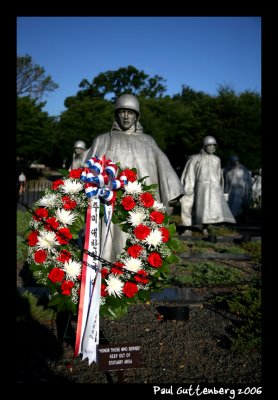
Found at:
(55, 249)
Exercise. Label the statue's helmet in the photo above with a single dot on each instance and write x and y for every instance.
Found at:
(209, 140)
(233, 158)
(128, 101)
(79, 144)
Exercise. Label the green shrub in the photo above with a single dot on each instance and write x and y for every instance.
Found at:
(254, 249)
(38, 312)
(206, 274)
(21, 250)
(22, 221)
(247, 307)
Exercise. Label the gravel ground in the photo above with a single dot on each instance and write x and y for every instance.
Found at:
(194, 351)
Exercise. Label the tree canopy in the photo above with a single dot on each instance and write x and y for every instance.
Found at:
(124, 80)
(31, 79)
(36, 132)
(178, 123)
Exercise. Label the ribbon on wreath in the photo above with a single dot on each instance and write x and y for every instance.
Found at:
(101, 184)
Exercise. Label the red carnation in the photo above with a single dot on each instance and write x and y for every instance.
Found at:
(64, 256)
(69, 204)
(104, 272)
(118, 269)
(103, 291)
(33, 238)
(165, 234)
(40, 256)
(56, 275)
(155, 260)
(147, 199)
(75, 173)
(134, 250)
(63, 235)
(66, 287)
(142, 231)
(57, 183)
(40, 213)
(128, 203)
(141, 276)
(130, 289)
(157, 217)
(131, 175)
(52, 224)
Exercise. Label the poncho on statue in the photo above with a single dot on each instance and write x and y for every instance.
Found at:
(132, 148)
(204, 201)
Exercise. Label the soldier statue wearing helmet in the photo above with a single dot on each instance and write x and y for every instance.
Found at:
(238, 188)
(204, 202)
(127, 144)
(127, 101)
(127, 112)
(79, 152)
(209, 140)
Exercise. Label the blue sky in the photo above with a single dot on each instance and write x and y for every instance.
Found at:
(201, 52)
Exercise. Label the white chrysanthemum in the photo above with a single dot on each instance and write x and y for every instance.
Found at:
(159, 206)
(49, 200)
(72, 269)
(114, 286)
(155, 238)
(66, 217)
(136, 217)
(133, 264)
(71, 186)
(133, 187)
(47, 240)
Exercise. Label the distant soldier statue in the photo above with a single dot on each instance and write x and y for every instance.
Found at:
(238, 186)
(79, 152)
(204, 202)
(257, 189)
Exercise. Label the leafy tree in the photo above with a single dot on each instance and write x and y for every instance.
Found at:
(124, 80)
(31, 79)
(178, 124)
(188, 95)
(83, 120)
(235, 122)
(250, 152)
(172, 124)
(36, 132)
(238, 121)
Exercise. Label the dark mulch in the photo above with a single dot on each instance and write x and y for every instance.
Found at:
(193, 351)
(196, 350)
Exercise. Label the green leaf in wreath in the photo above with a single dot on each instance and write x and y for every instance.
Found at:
(171, 228)
(64, 172)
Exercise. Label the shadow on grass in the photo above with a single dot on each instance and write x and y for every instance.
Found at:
(35, 346)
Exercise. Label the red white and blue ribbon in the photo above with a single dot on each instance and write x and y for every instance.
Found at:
(100, 186)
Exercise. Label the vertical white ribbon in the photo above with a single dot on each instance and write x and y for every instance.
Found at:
(91, 333)
(89, 336)
(90, 266)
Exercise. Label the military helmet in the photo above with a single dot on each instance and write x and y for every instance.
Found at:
(209, 140)
(127, 101)
(234, 158)
(79, 144)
